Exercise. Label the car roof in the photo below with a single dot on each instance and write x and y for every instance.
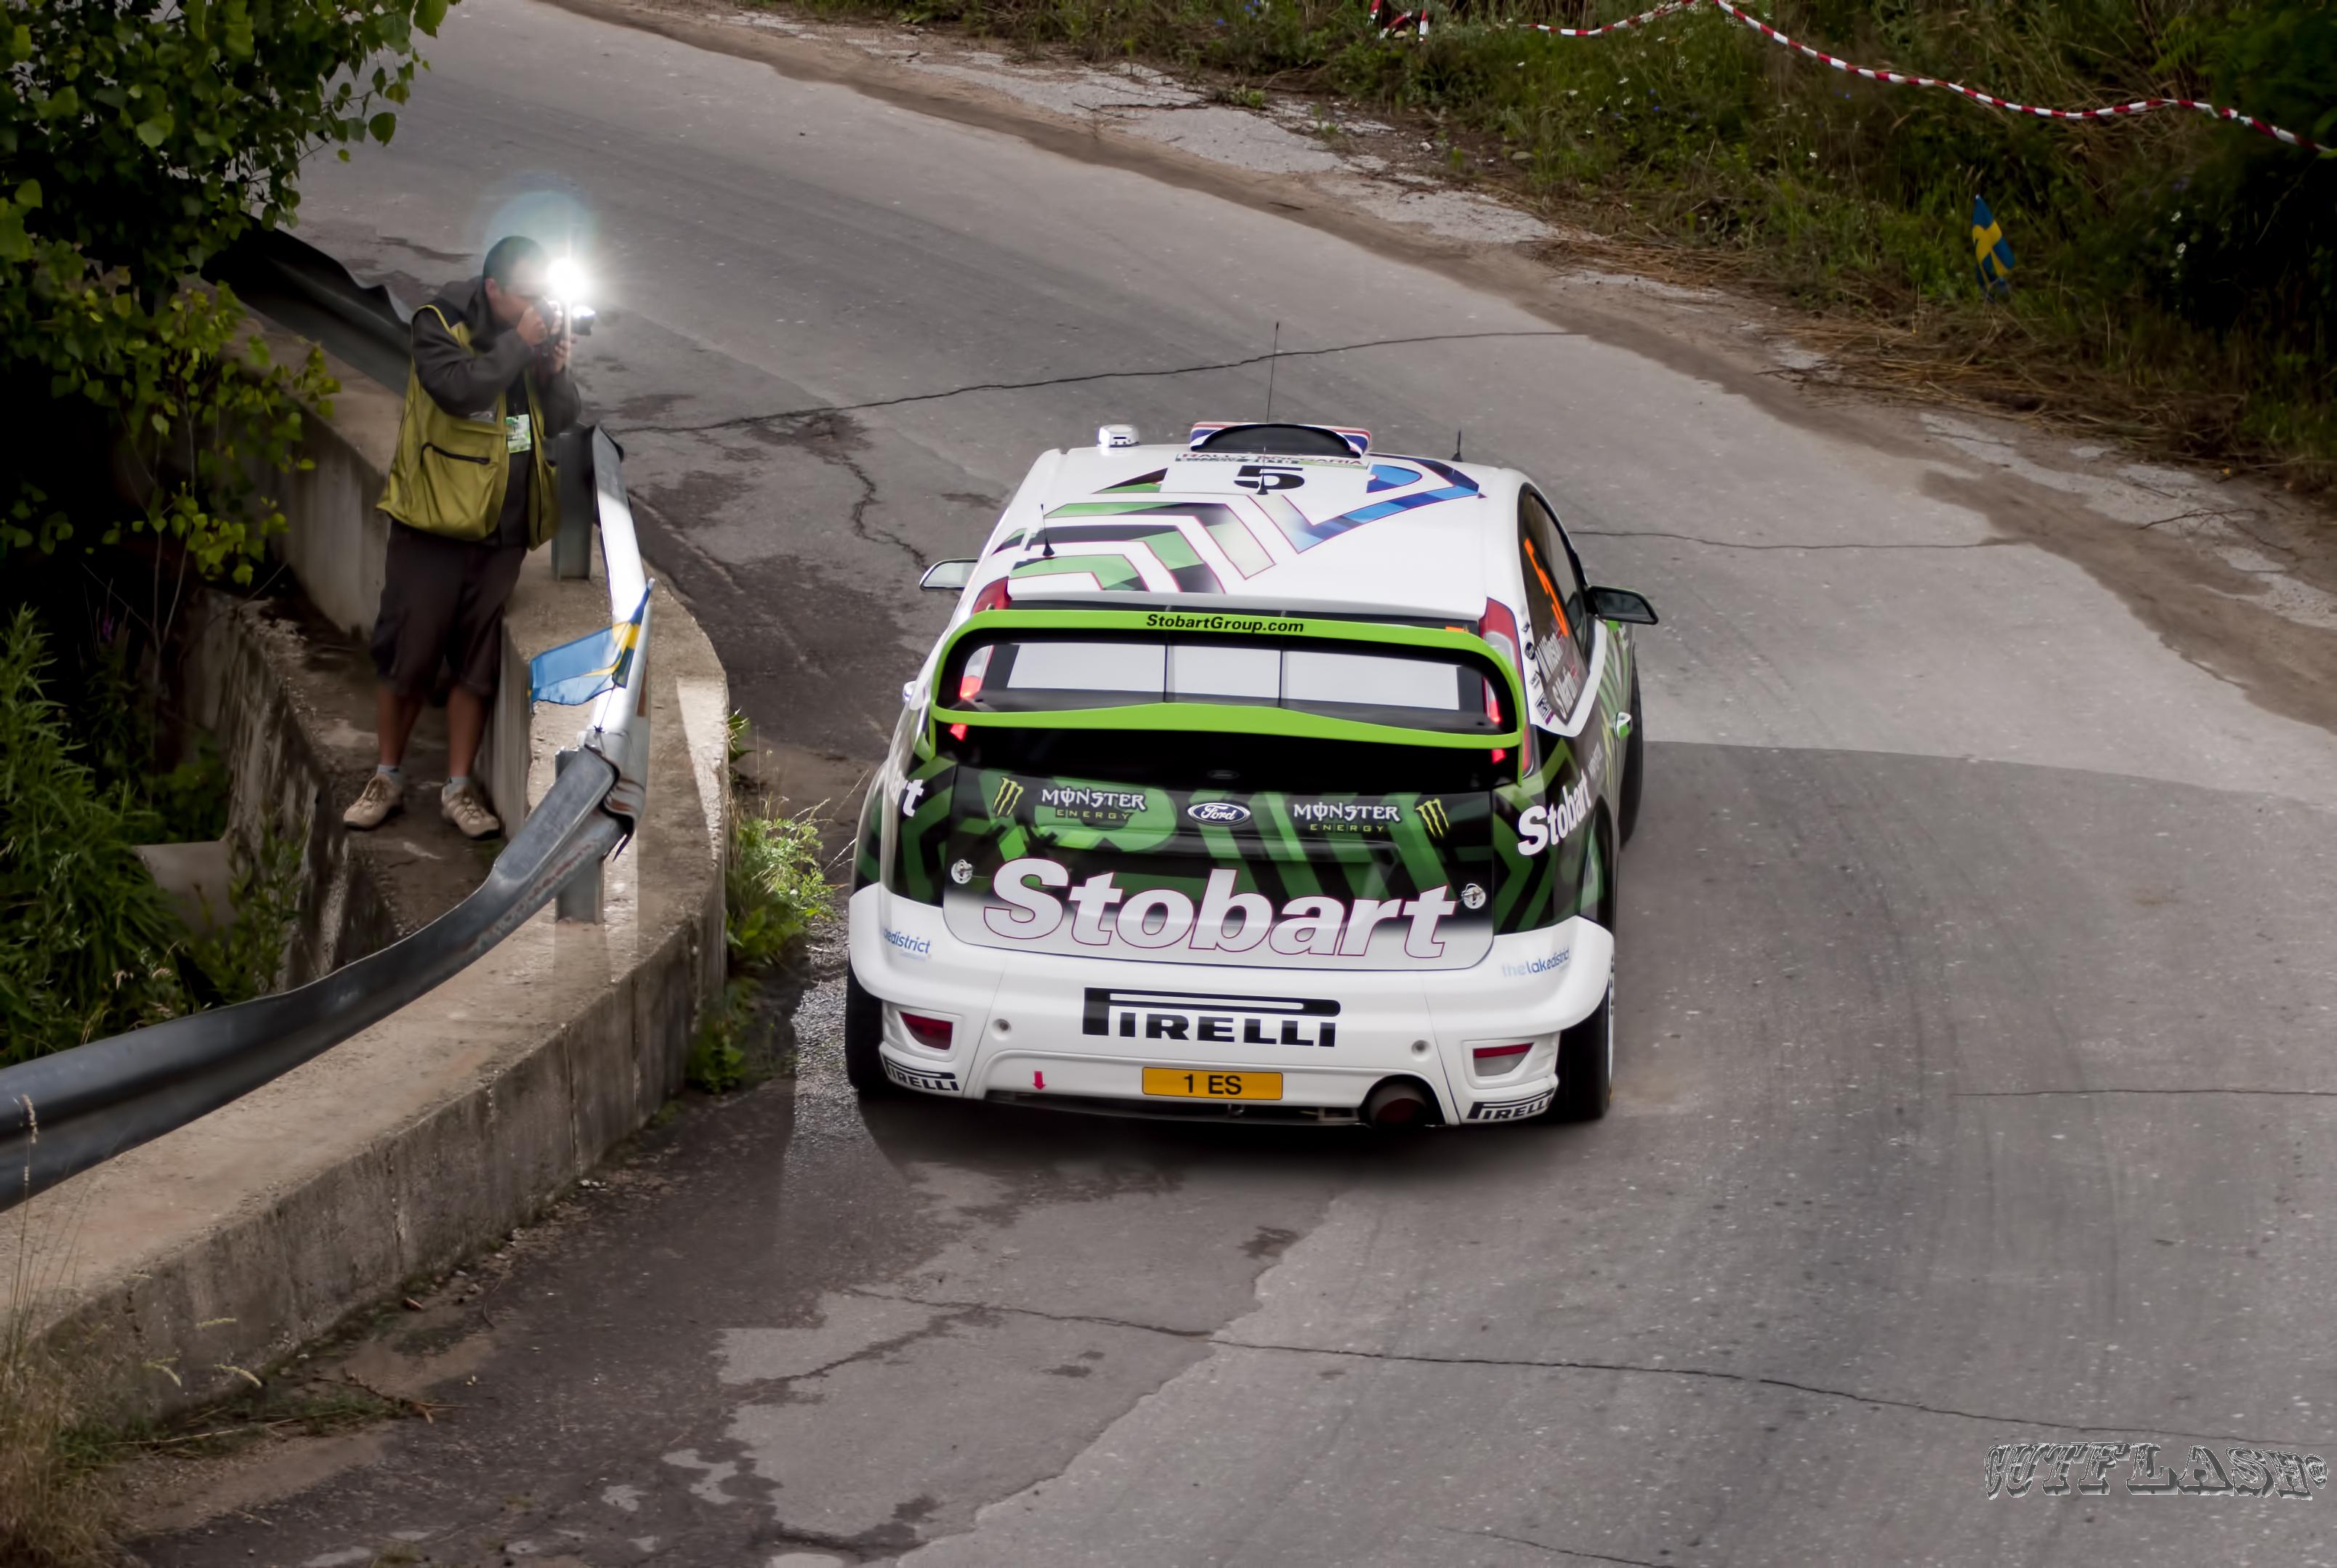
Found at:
(1370, 534)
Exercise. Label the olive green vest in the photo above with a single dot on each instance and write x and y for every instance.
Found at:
(451, 473)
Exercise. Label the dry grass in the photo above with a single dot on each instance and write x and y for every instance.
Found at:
(1988, 361)
(56, 1507)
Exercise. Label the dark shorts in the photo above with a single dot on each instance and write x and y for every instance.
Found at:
(441, 607)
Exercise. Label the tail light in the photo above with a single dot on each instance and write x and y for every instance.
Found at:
(992, 597)
(1499, 628)
(1494, 1060)
(969, 685)
(933, 1034)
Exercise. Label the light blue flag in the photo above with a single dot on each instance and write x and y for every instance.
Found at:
(582, 670)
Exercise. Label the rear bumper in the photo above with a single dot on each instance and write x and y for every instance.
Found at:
(1078, 1032)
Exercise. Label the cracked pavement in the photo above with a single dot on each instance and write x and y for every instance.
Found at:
(1975, 991)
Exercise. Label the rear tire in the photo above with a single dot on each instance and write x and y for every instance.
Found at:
(864, 1027)
(1586, 1053)
(1635, 749)
(1586, 1064)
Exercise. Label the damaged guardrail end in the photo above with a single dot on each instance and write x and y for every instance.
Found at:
(619, 730)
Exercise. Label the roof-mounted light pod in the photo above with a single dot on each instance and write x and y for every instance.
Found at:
(1111, 436)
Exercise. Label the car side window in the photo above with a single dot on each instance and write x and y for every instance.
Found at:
(1554, 604)
(1579, 618)
(1569, 576)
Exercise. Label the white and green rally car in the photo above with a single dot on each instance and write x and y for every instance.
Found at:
(1228, 792)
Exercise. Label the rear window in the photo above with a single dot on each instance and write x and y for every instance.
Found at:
(1429, 690)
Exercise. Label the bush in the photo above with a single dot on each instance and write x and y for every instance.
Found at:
(86, 939)
(239, 960)
(89, 945)
(718, 1063)
(774, 892)
(774, 888)
(139, 139)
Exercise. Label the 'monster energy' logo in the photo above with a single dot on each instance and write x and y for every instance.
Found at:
(1094, 807)
(1346, 816)
(1210, 1019)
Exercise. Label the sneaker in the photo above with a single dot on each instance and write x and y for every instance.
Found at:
(376, 804)
(467, 810)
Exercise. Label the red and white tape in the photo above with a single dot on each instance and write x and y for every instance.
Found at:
(1398, 20)
(1894, 78)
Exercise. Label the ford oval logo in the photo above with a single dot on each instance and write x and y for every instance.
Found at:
(1219, 813)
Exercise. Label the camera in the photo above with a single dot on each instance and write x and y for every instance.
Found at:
(567, 320)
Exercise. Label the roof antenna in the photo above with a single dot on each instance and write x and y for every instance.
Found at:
(1271, 360)
(1456, 446)
(1046, 545)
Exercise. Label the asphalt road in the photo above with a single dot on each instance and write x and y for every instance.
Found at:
(1975, 1085)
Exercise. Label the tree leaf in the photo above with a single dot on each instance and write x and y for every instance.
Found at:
(383, 126)
(429, 13)
(238, 32)
(155, 131)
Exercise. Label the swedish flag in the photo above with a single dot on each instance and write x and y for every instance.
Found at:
(582, 670)
(1990, 255)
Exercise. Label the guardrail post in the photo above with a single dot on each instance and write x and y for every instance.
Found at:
(572, 543)
(580, 895)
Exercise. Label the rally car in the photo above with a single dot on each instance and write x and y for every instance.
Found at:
(1263, 776)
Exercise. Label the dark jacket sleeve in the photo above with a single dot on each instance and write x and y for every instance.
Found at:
(462, 383)
(562, 405)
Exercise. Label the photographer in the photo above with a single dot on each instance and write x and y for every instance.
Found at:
(470, 494)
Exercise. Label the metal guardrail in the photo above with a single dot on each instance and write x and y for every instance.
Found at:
(60, 1114)
(294, 283)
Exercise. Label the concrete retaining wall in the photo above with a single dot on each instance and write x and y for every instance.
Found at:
(242, 680)
(230, 1243)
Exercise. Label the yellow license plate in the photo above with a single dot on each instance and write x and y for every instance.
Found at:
(1191, 1083)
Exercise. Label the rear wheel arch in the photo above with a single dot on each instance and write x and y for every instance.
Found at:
(1634, 764)
(864, 1030)
(1608, 844)
(1585, 1052)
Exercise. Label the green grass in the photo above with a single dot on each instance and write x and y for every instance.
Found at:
(775, 891)
(774, 888)
(721, 1058)
(89, 946)
(2177, 279)
(87, 941)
